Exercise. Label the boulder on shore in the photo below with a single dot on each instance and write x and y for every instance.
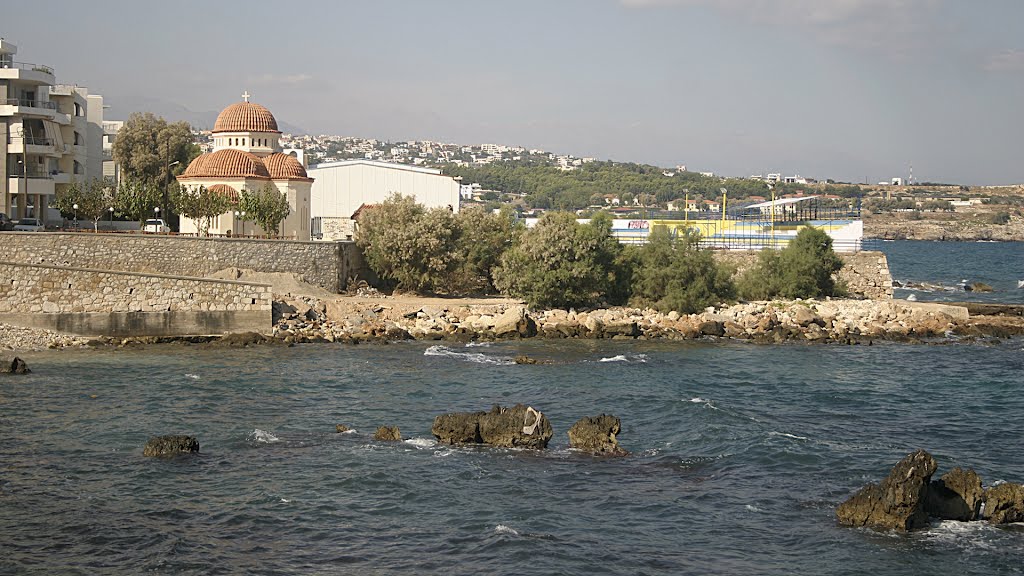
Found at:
(13, 365)
(164, 446)
(1004, 504)
(518, 427)
(957, 495)
(597, 435)
(897, 502)
(388, 434)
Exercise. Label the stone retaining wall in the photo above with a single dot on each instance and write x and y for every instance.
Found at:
(866, 274)
(113, 303)
(324, 264)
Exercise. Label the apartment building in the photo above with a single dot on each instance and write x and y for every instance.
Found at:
(50, 137)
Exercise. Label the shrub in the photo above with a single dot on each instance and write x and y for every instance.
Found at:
(803, 269)
(1001, 217)
(560, 263)
(483, 237)
(674, 274)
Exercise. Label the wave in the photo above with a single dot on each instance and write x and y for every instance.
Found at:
(192, 376)
(641, 358)
(707, 403)
(502, 529)
(793, 436)
(421, 442)
(262, 437)
(474, 357)
(478, 345)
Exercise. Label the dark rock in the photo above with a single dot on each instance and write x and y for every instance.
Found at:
(339, 428)
(13, 365)
(164, 446)
(712, 328)
(241, 340)
(517, 427)
(388, 434)
(458, 428)
(978, 287)
(597, 435)
(957, 495)
(524, 359)
(897, 502)
(1004, 504)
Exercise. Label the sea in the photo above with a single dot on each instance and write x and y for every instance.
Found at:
(739, 454)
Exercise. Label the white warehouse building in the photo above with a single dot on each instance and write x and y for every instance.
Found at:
(341, 188)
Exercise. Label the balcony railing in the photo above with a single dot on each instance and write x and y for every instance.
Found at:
(18, 172)
(31, 103)
(28, 66)
(30, 140)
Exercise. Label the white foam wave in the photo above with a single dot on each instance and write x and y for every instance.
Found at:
(784, 435)
(619, 358)
(474, 357)
(641, 358)
(349, 431)
(262, 437)
(753, 508)
(421, 442)
(478, 345)
(707, 403)
(192, 376)
(502, 529)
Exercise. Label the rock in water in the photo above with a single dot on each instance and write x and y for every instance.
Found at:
(458, 428)
(388, 434)
(341, 428)
(170, 445)
(957, 495)
(897, 502)
(596, 434)
(518, 427)
(1004, 504)
(13, 365)
(524, 359)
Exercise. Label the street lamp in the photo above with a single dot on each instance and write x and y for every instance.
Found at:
(111, 210)
(75, 206)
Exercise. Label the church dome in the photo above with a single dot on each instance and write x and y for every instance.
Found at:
(225, 190)
(285, 167)
(245, 117)
(226, 163)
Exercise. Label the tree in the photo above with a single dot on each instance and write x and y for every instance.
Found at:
(803, 269)
(89, 200)
(266, 206)
(483, 237)
(673, 273)
(151, 150)
(559, 263)
(136, 199)
(409, 245)
(201, 205)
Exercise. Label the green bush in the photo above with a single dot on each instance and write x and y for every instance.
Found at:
(674, 274)
(483, 237)
(560, 263)
(1000, 218)
(803, 269)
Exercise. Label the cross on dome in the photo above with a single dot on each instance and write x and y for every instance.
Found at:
(246, 96)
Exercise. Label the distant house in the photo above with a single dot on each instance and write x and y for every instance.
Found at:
(712, 205)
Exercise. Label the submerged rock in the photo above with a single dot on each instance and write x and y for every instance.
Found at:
(524, 359)
(13, 365)
(597, 435)
(163, 446)
(957, 495)
(388, 434)
(341, 428)
(1004, 504)
(897, 502)
(518, 427)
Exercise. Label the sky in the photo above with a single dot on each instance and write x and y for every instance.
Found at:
(852, 90)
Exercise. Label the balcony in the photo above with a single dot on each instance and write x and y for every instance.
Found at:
(34, 145)
(35, 73)
(31, 185)
(24, 107)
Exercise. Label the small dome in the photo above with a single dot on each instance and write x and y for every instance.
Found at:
(225, 190)
(245, 117)
(285, 167)
(226, 163)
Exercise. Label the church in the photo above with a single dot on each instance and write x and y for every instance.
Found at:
(247, 156)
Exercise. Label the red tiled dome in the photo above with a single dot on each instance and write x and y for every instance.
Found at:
(226, 163)
(285, 167)
(225, 190)
(245, 117)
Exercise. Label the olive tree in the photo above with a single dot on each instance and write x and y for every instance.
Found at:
(201, 205)
(266, 206)
(90, 200)
(136, 198)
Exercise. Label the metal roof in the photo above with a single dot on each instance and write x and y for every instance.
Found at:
(781, 202)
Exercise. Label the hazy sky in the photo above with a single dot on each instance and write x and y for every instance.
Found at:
(843, 89)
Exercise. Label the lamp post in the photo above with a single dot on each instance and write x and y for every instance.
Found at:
(111, 210)
(75, 206)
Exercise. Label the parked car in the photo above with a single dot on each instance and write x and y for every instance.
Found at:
(6, 223)
(156, 225)
(29, 225)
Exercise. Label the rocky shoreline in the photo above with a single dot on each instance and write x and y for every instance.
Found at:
(381, 318)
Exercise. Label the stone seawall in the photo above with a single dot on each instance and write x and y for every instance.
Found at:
(112, 303)
(866, 274)
(324, 264)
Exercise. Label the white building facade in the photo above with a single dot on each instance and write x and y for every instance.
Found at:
(341, 188)
(50, 137)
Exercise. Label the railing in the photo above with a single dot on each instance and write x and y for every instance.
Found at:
(16, 172)
(28, 66)
(30, 140)
(31, 103)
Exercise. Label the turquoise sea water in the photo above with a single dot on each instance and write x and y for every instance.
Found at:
(740, 453)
